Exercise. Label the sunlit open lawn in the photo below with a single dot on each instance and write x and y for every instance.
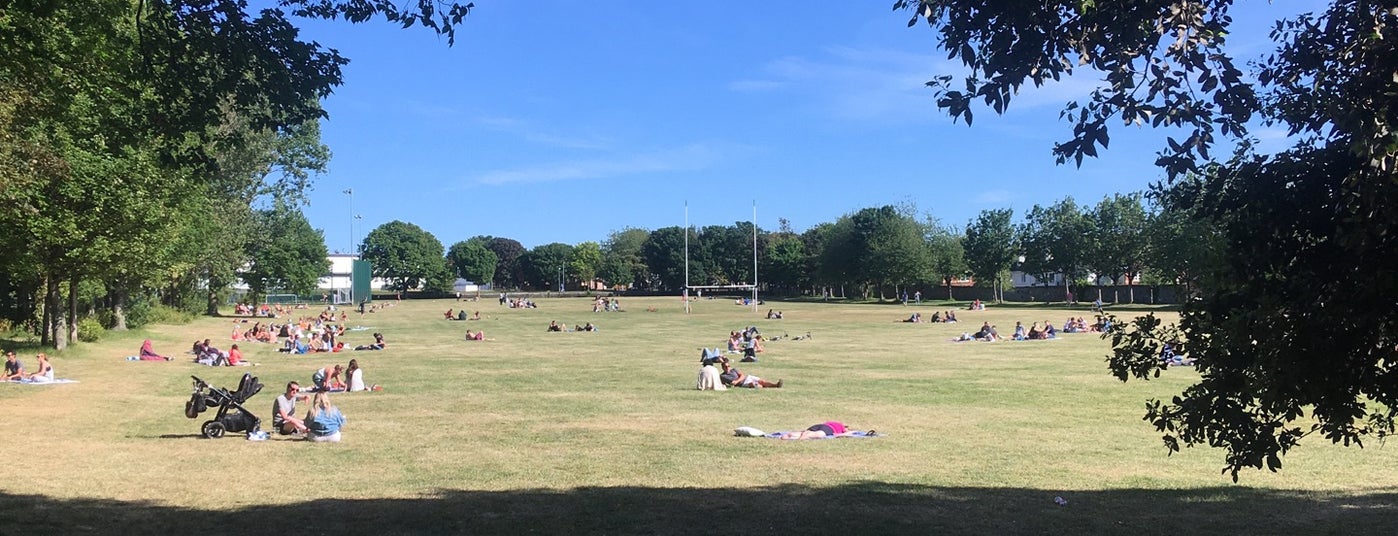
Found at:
(564, 433)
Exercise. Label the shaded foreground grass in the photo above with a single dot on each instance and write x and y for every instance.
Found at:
(852, 508)
(565, 433)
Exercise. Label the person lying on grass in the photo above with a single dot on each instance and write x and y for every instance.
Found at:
(733, 377)
(378, 344)
(822, 431)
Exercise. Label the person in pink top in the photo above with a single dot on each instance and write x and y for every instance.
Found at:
(822, 430)
(148, 353)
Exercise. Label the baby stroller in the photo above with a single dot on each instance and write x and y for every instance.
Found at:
(231, 415)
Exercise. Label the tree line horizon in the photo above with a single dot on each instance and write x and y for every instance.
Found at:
(868, 251)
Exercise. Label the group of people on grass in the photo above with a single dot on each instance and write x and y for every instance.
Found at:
(937, 318)
(747, 341)
(517, 303)
(715, 369)
(322, 422)
(14, 369)
(461, 315)
(605, 305)
(554, 326)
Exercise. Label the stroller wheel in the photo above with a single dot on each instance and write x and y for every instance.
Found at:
(213, 429)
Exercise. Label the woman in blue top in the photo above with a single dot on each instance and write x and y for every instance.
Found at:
(324, 420)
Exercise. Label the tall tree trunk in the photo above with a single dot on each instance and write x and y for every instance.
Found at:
(211, 306)
(53, 308)
(72, 310)
(118, 297)
(46, 325)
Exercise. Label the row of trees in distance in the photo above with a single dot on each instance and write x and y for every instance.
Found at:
(870, 251)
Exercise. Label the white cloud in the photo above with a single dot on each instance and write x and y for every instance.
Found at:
(687, 158)
(744, 86)
(995, 197)
(854, 84)
(533, 134)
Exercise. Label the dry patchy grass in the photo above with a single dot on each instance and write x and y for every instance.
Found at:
(602, 433)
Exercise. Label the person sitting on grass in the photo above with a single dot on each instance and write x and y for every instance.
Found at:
(1019, 331)
(235, 356)
(936, 317)
(323, 421)
(328, 378)
(14, 370)
(1035, 333)
(1170, 358)
(284, 411)
(555, 326)
(1070, 325)
(950, 317)
(984, 333)
(733, 377)
(749, 347)
(356, 377)
(476, 316)
(823, 430)
(148, 353)
(1049, 332)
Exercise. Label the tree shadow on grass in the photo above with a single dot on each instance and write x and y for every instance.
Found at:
(856, 508)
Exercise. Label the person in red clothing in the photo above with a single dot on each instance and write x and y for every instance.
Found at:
(235, 356)
(148, 353)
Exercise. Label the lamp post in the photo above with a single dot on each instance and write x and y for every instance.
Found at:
(354, 246)
(349, 192)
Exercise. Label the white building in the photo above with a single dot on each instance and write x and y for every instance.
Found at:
(341, 270)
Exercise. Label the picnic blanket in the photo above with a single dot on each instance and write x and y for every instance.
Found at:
(854, 434)
(32, 382)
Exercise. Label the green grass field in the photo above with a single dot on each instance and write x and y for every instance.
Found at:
(567, 433)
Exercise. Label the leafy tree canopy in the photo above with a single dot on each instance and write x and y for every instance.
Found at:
(286, 253)
(405, 254)
(470, 259)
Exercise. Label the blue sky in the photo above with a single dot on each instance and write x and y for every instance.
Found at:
(561, 121)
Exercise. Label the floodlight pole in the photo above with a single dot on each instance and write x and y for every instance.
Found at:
(349, 192)
(684, 294)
